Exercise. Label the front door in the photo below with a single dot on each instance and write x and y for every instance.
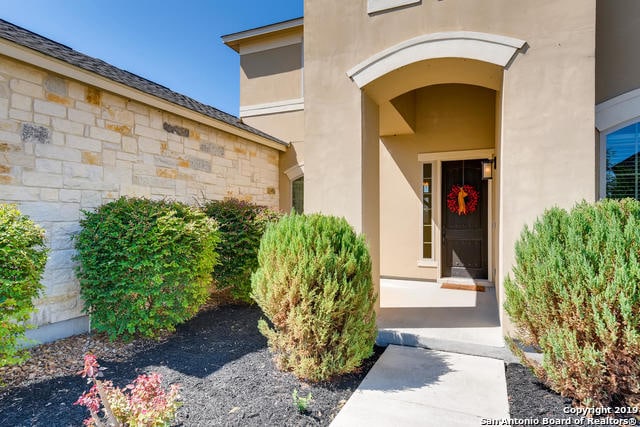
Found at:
(464, 220)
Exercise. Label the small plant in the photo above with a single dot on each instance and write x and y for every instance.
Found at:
(144, 403)
(314, 284)
(145, 266)
(242, 224)
(575, 295)
(22, 260)
(302, 403)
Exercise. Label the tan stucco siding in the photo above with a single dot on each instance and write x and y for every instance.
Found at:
(617, 61)
(449, 118)
(271, 75)
(546, 155)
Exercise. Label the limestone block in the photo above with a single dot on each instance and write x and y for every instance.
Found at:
(60, 235)
(49, 166)
(41, 179)
(80, 116)
(129, 144)
(26, 88)
(49, 108)
(135, 190)
(76, 90)
(57, 153)
(105, 135)
(147, 145)
(49, 194)
(23, 116)
(109, 157)
(41, 119)
(51, 211)
(81, 170)
(83, 143)
(90, 199)
(66, 195)
(4, 108)
(150, 132)
(21, 102)
(15, 193)
(67, 126)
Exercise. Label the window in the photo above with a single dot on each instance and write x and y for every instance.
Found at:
(427, 210)
(297, 194)
(622, 176)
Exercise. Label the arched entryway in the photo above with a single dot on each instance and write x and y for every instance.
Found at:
(432, 111)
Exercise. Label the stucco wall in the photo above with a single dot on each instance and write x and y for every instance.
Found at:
(271, 75)
(546, 154)
(65, 146)
(617, 63)
(448, 118)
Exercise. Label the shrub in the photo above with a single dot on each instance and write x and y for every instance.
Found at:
(22, 260)
(145, 266)
(242, 224)
(143, 403)
(314, 285)
(575, 294)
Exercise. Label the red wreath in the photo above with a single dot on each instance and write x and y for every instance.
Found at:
(469, 200)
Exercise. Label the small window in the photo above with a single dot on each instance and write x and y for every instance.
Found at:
(427, 211)
(297, 194)
(622, 163)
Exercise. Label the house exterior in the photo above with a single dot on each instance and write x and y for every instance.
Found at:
(76, 132)
(393, 106)
(438, 128)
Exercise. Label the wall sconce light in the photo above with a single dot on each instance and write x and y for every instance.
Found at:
(488, 165)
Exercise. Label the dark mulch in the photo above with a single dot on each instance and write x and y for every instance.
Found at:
(226, 372)
(530, 399)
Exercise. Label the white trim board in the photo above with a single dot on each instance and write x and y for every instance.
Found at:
(621, 109)
(492, 48)
(272, 107)
(374, 6)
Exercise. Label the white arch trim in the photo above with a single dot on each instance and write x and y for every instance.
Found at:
(621, 109)
(491, 48)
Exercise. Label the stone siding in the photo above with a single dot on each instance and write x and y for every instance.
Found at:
(67, 147)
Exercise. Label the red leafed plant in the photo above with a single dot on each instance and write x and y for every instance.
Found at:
(144, 403)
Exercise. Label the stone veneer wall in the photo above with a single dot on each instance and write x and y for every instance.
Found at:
(66, 146)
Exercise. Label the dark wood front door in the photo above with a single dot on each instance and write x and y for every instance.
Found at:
(464, 237)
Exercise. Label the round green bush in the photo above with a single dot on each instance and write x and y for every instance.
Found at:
(314, 285)
(144, 266)
(242, 224)
(22, 260)
(575, 295)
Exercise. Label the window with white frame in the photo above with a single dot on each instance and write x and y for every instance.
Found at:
(620, 163)
(427, 211)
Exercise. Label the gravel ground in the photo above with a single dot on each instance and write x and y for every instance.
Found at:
(226, 373)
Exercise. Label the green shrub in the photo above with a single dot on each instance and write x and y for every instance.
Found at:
(242, 224)
(314, 285)
(145, 266)
(22, 260)
(576, 294)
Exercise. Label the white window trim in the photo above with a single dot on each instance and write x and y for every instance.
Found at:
(436, 216)
(295, 171)
(613, 115)
(374, 6)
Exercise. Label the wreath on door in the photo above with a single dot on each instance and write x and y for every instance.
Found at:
(462, 199)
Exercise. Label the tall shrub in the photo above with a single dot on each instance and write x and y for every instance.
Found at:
(314, 285)
(145, 266)
(22, 260)
(575, 294)
(242, 224)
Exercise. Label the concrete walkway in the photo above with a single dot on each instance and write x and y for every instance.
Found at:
(411, 386)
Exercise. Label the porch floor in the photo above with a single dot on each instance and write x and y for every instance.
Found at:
(421, 314)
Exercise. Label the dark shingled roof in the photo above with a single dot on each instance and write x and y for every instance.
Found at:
(64, 53)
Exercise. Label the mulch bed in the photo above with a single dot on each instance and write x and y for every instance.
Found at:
(226, 373)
